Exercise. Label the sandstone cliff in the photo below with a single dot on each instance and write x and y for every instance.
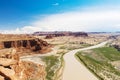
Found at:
(33, 44)
(12, 67)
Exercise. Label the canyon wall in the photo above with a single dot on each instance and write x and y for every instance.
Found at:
(31, 44)
(12, 47)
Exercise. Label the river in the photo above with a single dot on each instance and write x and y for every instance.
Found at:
(74, 70)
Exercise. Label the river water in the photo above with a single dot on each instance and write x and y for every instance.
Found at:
(74, 70)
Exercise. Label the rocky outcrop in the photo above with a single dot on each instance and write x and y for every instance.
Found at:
(115, 41)
(26, 70)
(12, 47)
(80, 34)
(55, 34)
(12, 68)
(60, 33)
(31, 44)
(49, 37)
(7, 62)
(116, 46)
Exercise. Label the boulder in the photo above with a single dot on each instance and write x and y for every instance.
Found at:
(8, 74)
(7, 62)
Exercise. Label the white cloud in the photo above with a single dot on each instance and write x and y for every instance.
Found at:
(80, 21)
(75, 21)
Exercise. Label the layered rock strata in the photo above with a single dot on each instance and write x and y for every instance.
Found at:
(12, 47)
(33, 44)
(61, 33)
(12, 68)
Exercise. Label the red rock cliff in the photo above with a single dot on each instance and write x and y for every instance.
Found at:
(34, 44)
(11, 67)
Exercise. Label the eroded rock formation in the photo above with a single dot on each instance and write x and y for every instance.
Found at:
(49, 37)
(12, 47)
(12, 68)
(116, 46)
(80, 34)
(32, 44)
(60, 33)
(116, 41)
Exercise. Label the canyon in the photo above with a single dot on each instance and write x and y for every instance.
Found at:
(12, 47)
(28, 57)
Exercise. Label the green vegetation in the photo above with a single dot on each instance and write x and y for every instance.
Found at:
(99, 62)
(53, 65)
(110, 53)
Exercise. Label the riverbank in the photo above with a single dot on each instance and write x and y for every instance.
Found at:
(74, 69)
(53, 62)
(103, 62)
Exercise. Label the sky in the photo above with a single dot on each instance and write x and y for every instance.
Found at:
(28, 16)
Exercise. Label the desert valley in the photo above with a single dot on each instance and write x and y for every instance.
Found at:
(59, 39)
(59, 55)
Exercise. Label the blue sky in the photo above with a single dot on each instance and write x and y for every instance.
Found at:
(21, 16)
